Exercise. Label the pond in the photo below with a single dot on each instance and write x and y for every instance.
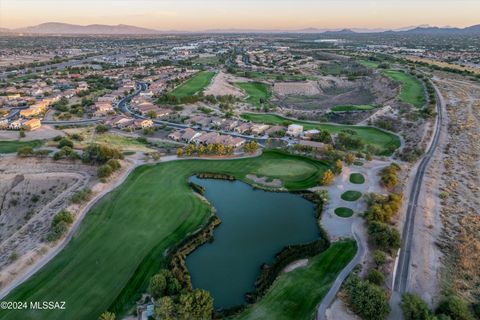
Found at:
(255, 226)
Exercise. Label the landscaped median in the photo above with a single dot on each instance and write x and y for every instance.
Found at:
(122, 241)
(386, 142)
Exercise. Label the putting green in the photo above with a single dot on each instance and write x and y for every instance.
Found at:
(357, 178)
(344, 212)
(287, 168)
(351, 195)
(122, 241)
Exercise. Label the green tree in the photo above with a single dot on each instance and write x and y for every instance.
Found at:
(104, 171)
(367, 300)
(107, 316)
(64, 142)
(24, 151)
(454, 307)
(195, 305)
(376, 277)
(101, 128)
(414, 308)
(158, 285)
(327, 177)
(165, 309)
(385, 237)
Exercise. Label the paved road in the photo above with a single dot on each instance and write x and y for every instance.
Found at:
(402, 271)
(331, 294)
(72, 122)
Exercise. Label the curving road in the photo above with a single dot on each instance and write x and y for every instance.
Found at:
(401, 276)
(332, 293)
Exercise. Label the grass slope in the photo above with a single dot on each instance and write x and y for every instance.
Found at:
(295, 295)
(369, 63)
(256, 91)
(193, 85)
(351, 195)
(344, 212)
(347, 108)
(122, 240)
(412, 91)
(357, 178)
(12, 146)
(385, 141)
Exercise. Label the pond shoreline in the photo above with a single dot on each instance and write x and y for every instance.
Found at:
(287, 256)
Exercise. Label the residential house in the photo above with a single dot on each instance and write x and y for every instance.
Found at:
(189, 135)
(176, 135)
(143, 123)
(32, 124)
(200, 120)
(207, 138)
(295, 130)
(3, 123)
(258, 129)
(15, 125)
(274, 129)
(243, 128)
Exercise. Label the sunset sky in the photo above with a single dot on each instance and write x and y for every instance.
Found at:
(197, 15)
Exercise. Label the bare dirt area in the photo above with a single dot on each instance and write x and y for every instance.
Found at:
(307, 88)
(315, 98)
(222, 85)
(459, 189)
(44, 133)
(264, 181)
(31, 193)
(27, 240)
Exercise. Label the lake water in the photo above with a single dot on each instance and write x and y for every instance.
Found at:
(255, 226)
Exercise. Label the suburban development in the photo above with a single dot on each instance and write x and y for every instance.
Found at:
(239, 173)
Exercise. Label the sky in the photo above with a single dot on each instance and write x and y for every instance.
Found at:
(198, 15)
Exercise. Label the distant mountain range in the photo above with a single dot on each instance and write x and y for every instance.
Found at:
(121, 29)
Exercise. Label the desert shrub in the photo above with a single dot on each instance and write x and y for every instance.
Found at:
(376, 277)
(384, 236)
(104, 171)
(64, 142)
(81, 195)
(454, 307)
(414, 308)
(367, 300)
(59, 226)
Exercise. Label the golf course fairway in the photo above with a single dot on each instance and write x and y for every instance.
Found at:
(122, 240)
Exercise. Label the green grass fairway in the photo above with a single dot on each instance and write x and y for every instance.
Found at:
(255, 91)
(193, 85)
(357, 178)
(351, 195)
(12, 146)
(386, 142)
(296, 295)
(369, 63)
(344, 212)
(412, 90)
(122, 240)
(347, 108)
